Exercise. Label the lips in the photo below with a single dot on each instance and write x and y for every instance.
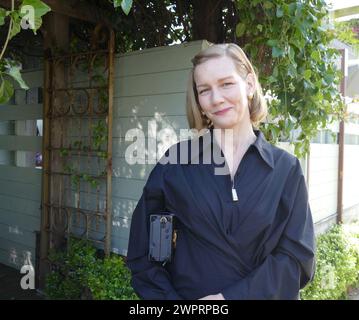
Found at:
(223, 111)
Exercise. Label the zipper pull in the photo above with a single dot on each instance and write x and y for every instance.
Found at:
(234, 193)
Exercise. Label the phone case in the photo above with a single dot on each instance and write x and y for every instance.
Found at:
(161, 237)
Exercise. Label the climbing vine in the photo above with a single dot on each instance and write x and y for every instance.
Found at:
(289, 43)
(99, 138)
(348, 32)
(27, 16)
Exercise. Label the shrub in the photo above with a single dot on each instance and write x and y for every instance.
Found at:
(80, 273)
(337, 265)
(112, 281)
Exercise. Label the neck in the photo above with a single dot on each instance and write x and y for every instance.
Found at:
(236, 138)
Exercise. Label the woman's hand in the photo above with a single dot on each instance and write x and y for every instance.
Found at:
(218, 296)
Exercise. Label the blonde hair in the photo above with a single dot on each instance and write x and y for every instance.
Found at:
(257, 105)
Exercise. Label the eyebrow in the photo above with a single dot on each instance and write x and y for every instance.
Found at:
(219, 80)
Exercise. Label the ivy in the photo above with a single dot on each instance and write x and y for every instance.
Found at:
(29, 14)
(344, 31)
(296, 66)
(99, 137)
(99, 134)
(124, 4)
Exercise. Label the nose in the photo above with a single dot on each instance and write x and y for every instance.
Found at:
(217, 97)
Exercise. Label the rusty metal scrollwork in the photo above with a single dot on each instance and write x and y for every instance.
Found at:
(78, 107)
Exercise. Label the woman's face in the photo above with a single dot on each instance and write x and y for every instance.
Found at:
(222, 93)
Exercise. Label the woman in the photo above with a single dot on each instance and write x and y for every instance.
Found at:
(244, 233)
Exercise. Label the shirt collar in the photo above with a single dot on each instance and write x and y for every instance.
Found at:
(264, 148)
(261, 144)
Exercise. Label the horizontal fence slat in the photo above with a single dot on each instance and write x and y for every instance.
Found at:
(33, 78)
(21, 112)
(121, 126)
(151, 105)
(122, 169)
(157, 60)
(21, 143)
(19, 205)
(21, 174)
(22, 220)
(20, 190)
(13, 254)
(17, 234)
(151, 84)
(121, 187)
(128, 188)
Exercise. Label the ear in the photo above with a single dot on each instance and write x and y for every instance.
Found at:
(250, 84)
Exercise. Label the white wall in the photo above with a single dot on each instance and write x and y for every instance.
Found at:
(150, 85)
(20, 181)
(351, 176)
(323, 175)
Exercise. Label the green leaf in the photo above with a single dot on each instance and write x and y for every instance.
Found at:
(292, 8)
(279, 12)
(277, 52)
(315, 55)
(6, 91)
(64, 152)
(240, 29)
(94, 183)
(272, 42)
(268, 5)
(117, 3)
(33, 10)
(275, 71)
(307, 74)
(13, 70)
(125, 5)
(16, 24)
(291, 54)
(2, 16)
(292, 72)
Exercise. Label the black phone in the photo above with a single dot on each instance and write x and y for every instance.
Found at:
(162, 237)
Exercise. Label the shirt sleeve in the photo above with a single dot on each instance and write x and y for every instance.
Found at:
(150, 280)
(291, 265)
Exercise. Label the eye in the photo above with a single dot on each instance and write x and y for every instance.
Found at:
(203, 91)
(227, 84)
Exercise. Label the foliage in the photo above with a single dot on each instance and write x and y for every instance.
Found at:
(99, 134)
(28, 15)
(287, 40)
(112, 281)
(67, 279)
(124, 4)
(98, 138)
(289, 43)
(337, 265)
(80, 273)
(348, 32)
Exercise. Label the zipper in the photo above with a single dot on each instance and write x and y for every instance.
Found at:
(234, 192)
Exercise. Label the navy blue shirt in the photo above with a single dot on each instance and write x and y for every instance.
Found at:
(259, 247)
